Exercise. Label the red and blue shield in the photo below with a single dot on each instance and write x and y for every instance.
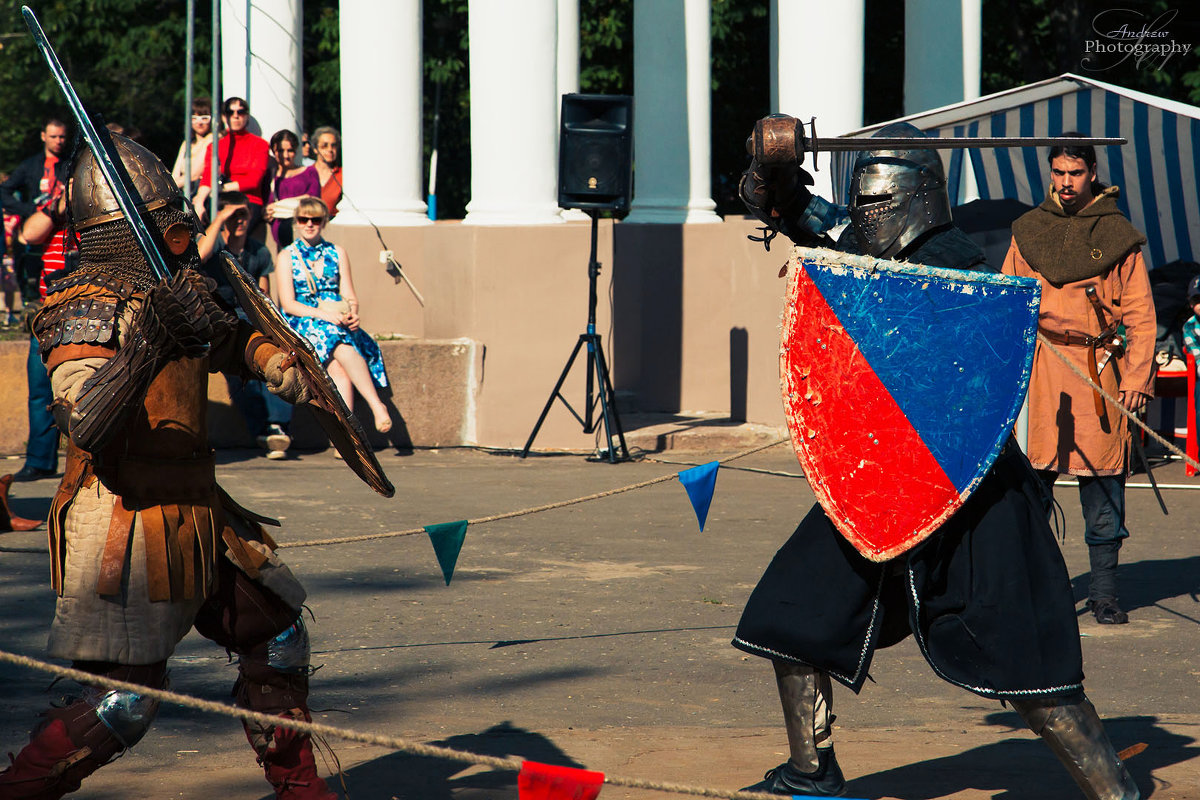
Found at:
(901, 383)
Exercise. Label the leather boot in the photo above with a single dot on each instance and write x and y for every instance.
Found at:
(812, 768)
(1102, 590)
(78, 739)
(8, 520)
(285, 755)
(1071, 728)
(287, 759)
(71, 745)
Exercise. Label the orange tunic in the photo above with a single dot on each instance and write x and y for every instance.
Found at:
(1065, 433)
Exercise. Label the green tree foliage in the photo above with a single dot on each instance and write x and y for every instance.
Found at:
(322, 67)
(124, 57)
(447, 124)
(1030, 40)
(741, 90)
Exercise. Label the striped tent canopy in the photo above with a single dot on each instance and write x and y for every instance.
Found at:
(1156, 171)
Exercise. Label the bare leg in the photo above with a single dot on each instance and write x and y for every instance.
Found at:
(342, 381)
(360, 376)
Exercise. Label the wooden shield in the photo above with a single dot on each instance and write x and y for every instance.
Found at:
(901, 383)
(345, 432)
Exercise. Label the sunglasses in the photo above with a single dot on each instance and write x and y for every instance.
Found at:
(301, 220)
(201, 118)
(237, 112)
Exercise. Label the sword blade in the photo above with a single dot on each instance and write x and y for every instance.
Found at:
(102, 147)
(955, 143)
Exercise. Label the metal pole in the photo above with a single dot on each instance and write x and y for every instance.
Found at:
(187, 99)
(214, 167)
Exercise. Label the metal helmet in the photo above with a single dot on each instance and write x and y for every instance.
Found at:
(896, 195)
(93, 202)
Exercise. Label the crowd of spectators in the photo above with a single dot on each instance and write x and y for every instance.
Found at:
(255, 180)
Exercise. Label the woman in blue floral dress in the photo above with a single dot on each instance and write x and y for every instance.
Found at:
(317, 298)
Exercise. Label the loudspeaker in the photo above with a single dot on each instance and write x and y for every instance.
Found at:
(595, 152)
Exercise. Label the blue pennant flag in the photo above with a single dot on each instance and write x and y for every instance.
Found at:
(699, 483)
(447, 539)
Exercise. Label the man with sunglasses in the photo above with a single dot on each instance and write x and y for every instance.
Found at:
(243, 163)
(267, 417)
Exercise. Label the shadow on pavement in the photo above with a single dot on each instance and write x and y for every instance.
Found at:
(402, 776)
(1148, 582)
(1007, 766)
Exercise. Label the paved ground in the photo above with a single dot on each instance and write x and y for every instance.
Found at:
(597, 635)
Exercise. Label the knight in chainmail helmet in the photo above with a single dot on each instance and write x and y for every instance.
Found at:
(988, 594)
(106, 241)
(147, 545)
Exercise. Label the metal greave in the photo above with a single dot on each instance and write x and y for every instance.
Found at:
(807, 697)
(1072, 729)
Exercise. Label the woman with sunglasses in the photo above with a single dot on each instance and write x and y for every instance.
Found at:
(242, 158)
(199, 139)
(289, 180)
(314, 279)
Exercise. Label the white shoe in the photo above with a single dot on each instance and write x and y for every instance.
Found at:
(276, 442)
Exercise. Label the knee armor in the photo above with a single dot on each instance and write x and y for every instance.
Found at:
(289, 651)
(126, 715)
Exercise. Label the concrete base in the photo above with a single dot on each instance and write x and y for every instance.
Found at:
(432, 399)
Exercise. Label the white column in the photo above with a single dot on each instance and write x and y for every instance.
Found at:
(568, 47)
(514, 112)
(262, 60)
(672, 102)
(972, 54)
(942, 45)
(817, 53)
(381, 113)
(568, 78)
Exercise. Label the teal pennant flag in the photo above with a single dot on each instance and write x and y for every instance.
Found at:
(699, 483)
(447, 539)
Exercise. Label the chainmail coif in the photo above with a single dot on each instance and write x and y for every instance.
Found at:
(111, 249)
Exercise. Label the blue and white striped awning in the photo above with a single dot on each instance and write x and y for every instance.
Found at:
(1156, 171)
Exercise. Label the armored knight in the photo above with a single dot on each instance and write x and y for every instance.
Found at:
(988, 595)
(144, 544)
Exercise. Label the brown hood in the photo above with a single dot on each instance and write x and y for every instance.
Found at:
(1072, 247)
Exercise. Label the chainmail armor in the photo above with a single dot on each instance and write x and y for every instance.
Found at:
(111, 249)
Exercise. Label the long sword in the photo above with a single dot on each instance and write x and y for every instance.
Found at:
(103, 148)
(780, 139)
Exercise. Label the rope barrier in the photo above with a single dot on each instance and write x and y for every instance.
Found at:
(1116, 403)
(368, 537)
(329, 731)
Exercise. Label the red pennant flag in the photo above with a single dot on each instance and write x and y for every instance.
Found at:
(545, 782)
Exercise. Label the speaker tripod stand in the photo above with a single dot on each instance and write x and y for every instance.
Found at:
(597, 376)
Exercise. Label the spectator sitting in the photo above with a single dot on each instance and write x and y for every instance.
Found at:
(198, 141)
(288, 181)
(243, 160)
(267, 417)
(329, 151)
(317, 297)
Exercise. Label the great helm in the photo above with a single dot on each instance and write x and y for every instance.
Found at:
(896, 195)
(93, 202)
